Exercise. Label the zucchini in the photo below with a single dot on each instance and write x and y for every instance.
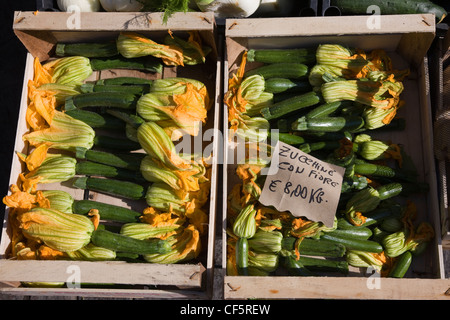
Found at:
(286, 138)
(143, 63)
(401, 266)
(101, 170)
(324, 265)
(107, 211)
(125, 189)
(302, 55)
(96, 120)
(279, 109)
(328, 124)
(134, 89)
(118, 242)
(295, 267)
(126, 81)
(280, 70)
(314, 247)
(388, 7)
(389, 190)
(242, 256)
(115, 143)
(279, 85)
(325, 109)
(88, 50)
(121, 100)
(360, 233)
(354, 244)
(378, 215)
(378, 170)
(130, 161)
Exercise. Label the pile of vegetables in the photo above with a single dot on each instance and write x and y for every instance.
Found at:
(114, 136)
(328, 101)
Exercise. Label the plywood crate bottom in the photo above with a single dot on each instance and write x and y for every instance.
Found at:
(406, 39)
(39, 33)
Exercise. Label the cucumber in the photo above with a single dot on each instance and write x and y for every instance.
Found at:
(355, 244)
(118, 242)
(302, 55)
(279, 85)
(279, 109)
(391, 7)
(107, 211)
(130, 161)
(401, 265)
(125, 189)
(88, 50)
(280, 70)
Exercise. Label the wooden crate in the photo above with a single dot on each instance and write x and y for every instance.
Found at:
(191, 280)
(406, 39)
(441, 93)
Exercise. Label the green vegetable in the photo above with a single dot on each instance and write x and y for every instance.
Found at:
(107, 211)
(125, 81)
(355, 244)
(401, 265)
(117, 242)
(329, 124)
(96, 120)
(324, 265)
(144, 63)
(242, 256)
(280, 70)
(88, 50)
(360, 233)
(295, 267)
(278, 85)
(115, 143)
(119, 188)
(133, 89)
(279, 109)
(130, 161)
(101, 170)
(314, 247)
(306, 55)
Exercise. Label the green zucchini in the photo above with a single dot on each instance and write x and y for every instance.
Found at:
(388, 7)
(295, 267)
(121, 100)
(302, 55)
(96, 120)
(126, 81)
(279, 85)
(279, 109)
(130, 161)
(379, 214)
(401, 266)
(134, 89)
(107, 211)
(280, 70)
(389, 190)
(360, 233)
(88, 50)
(324, 265)
(242, 256)
(118, 242)
(125, 189)
(328, 124)
(355, 244)
(325, 109)
(143, 63)
(286, 138)
(89, 168)
(116, 143)
(314, 247)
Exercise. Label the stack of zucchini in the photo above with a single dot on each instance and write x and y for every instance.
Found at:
(374, 224)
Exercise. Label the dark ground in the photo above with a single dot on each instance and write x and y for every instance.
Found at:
(12, 66)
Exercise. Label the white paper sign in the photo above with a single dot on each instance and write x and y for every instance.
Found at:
(302, 184)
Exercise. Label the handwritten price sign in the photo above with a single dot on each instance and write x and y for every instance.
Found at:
(302, 184)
